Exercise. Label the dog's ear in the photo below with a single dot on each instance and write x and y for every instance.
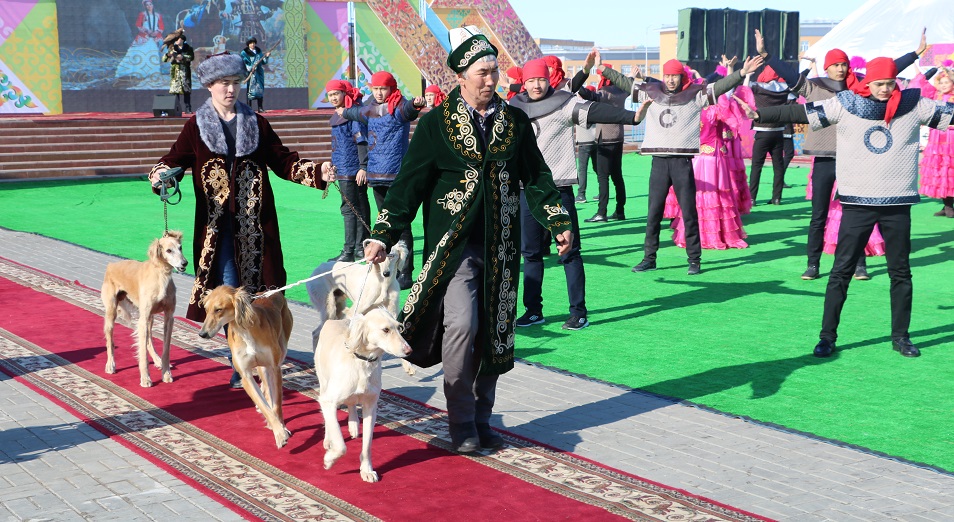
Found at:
(155, 250)
(174, 234)
(358, 331)
(244, 314)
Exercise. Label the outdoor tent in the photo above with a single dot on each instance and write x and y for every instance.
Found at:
(892, 28)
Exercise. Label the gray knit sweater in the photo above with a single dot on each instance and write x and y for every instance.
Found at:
(877, 162)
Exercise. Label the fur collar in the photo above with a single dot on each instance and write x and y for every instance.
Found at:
(210, 129)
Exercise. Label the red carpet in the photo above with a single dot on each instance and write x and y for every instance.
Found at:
(51, 338)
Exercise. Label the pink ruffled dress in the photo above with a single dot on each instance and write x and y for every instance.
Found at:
(937, 161)
(875, 246)
(722, 191)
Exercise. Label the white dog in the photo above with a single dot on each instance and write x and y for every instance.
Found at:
(376, 288)
(348, 366)
(148, 287)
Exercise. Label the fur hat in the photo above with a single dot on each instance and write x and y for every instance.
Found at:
(171, 38)
(468, 45)
(219, 66)
(250, 40)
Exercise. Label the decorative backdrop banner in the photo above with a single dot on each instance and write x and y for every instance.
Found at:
(29, 58)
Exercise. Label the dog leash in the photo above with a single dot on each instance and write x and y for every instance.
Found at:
(168, 187)
(270, 293)
(346, 200)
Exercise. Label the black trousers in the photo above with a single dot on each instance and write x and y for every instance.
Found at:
(675, 172)
(770, 142)
(354, 230)
(823, 183)
(380, 191)
(609, 166)
(857, 221)
(788, 150)
(585, 155)
(187, 98)
(533, 243)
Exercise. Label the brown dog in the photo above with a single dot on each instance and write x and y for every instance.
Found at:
(147, 286)
(258, 339)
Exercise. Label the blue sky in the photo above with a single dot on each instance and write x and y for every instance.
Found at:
(621, 22)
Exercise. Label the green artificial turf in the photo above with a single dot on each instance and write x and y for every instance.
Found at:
(737, 338)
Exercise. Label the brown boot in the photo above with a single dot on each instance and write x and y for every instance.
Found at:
(949, 212)
(941, 213)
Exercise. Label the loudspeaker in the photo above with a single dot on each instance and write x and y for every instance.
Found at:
(715, 33)
(790, 36)
(735, 23)
(753, 21)
(166, 106)
(691, 35)
(704, 67)
(772, 31)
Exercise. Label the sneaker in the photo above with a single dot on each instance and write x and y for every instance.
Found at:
(694, 269)
(811, 273)
(580, 199)
(644, 266)
(235, 382)
(575, 323)
(861, 273)
(529, 319)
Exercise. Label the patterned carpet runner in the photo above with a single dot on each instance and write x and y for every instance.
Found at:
(211, 436)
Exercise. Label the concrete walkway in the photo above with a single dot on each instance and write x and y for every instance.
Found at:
(53, 467)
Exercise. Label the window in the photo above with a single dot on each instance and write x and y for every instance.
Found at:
(626, 69)
(803, 46)
(654, 69)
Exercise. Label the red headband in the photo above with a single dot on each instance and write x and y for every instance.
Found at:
(603, 81)
(673, 66)
(881, 68)
(557, 74)
(383, 79)
(767, 75)
(536, 69)
(439, 95)
(835, 56)
(351, 94)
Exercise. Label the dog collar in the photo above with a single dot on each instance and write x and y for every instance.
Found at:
(363, 358)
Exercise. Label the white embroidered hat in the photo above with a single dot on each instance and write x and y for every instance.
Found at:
(467, 44)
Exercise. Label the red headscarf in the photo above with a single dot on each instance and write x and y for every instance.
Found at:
(516, 74)
(386, 79)
(557, 74)
(838, 56)
(603, 81)
(674, 66)
(767, 75)
(536, 69)
(439, 95)
(351, 94)
(881, 69)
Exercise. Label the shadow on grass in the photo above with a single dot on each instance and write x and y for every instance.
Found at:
(700, 293)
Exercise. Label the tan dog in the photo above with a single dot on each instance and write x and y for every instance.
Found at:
(148, 287)
(377, 288)
(348, 366)
(258, 339)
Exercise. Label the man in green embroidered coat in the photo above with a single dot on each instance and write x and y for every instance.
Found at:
(464, 166)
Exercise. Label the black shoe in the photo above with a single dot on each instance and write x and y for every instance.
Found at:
(811, 273)
(598, 218)
(488, 437)
(861, 273)
(905, 348)
(617, 216)
(530, 319)
(235, 382)
(188, 108)
(404, 279)
(580, 199)
(464, 437)
(824, 348)
(644, 266)
(694, 269)
(786, 185)
(575, 323)
(775, 201)
(344, 257)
